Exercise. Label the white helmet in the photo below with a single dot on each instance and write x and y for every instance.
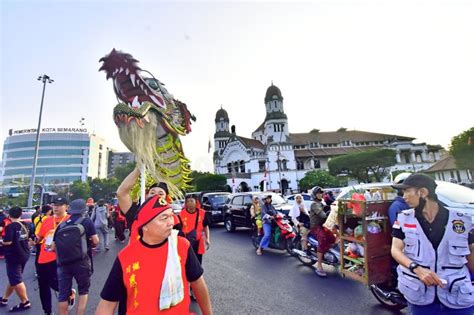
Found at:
(400, 178)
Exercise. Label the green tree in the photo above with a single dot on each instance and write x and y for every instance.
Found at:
(79, 189)
(122, 171)
(364, 165)
(103, 188)
(207, 181)
(20, 200)
(320, 178)
(462, 149)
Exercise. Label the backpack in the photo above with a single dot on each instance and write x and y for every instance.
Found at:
(71, 242)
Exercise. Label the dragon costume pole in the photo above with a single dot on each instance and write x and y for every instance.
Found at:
(142, 183)
(149, 121)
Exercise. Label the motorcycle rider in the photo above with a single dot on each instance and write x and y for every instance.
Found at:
(268, 213)
(324, 236)
(256, 214)
(434, 250)
(399, 203)
(300, 217)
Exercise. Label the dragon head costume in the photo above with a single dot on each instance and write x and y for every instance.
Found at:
(149, 121)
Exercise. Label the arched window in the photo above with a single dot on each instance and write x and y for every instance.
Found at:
(285, 167)
(242, 166)
(229, 168)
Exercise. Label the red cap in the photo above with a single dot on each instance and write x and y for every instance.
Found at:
(150, 209)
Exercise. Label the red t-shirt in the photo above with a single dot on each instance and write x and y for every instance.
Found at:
(48, 227)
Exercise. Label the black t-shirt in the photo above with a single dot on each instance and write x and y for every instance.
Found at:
(434, 231)
(132, 213)
(18, 251)
(114, 289)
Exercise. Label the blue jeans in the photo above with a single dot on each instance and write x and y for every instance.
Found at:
(267, 232)
(103, 233)
(436, 308)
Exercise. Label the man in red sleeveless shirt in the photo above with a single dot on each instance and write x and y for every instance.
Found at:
(138, 273)
(195, 226)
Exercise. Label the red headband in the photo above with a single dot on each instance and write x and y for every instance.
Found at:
(150, 209)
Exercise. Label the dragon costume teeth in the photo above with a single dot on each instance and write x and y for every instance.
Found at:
(149, 121)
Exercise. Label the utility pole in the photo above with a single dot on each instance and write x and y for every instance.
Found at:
(45, 79)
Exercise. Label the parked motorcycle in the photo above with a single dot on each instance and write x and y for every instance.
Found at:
(282, 237)
(309, 258)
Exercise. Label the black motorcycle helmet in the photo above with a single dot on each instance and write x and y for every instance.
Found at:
(315, 191)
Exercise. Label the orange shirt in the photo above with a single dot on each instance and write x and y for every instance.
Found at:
(188, 221)
(48, 227)
(143, 271)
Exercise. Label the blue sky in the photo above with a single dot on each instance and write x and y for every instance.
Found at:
(395, 67)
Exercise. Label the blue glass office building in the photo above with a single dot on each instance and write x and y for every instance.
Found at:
(65, 155)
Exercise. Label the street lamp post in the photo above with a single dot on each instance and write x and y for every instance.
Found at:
(45, 79)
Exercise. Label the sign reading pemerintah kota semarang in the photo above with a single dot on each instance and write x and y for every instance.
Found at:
(26, 131)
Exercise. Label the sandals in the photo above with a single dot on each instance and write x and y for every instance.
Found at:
(21, 307)
(320, 273)
(3, 302)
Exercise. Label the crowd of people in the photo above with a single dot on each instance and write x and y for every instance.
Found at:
(432, 247)
(163, 247)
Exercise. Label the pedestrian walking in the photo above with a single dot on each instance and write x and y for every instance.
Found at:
(435, 252)
(153, 274)
(195, 226)
(73, 241)
(100, 217)
(47, 269)
(4, 221)
(17, 252)
(119, 224)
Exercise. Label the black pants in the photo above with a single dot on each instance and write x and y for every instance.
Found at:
(47, 280)
(119, 230)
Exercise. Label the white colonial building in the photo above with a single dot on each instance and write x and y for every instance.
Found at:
(275, 159)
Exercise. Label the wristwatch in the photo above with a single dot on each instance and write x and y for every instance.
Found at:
(413, 265)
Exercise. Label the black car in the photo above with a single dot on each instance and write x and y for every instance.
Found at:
(237, 208)
(213, 203)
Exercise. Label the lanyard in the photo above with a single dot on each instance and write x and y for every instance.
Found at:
(54, 221)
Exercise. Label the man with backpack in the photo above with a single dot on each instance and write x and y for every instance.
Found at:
(73, 240)
(47, 269)
(100, 217)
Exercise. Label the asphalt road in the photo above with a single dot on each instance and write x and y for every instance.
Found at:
(242, 283)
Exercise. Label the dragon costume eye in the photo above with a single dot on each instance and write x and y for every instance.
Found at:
(153, 83)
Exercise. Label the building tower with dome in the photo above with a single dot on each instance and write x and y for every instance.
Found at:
(274, 159)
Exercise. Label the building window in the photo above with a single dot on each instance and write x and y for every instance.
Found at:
(261, 166)
(229, 168)
(242, 166)
(317, 164)
(100, 146)
(299, 165)
(285, 167)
